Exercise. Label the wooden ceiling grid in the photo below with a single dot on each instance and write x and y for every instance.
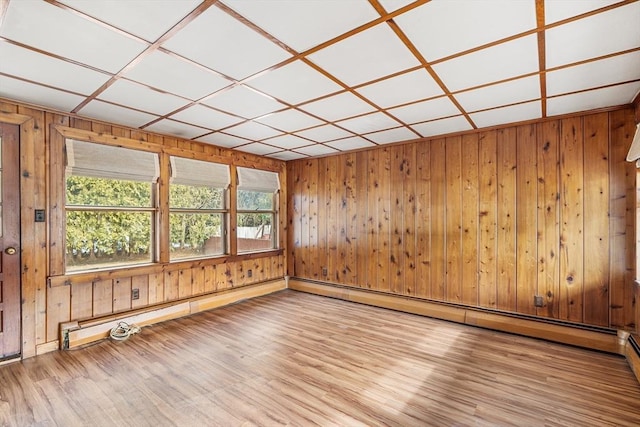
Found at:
(322, 146)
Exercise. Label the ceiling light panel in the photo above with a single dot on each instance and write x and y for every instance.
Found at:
(206, 117)
(426, 110)
(134, 95)
(302, 25)
(37, 95)
(442, 126)
(181, 130)
(253, 131)
(441, 28)
(402, 89)
(511, 114)
(222, 139)
(168, 73)
(114, 114)
(49, 28)
(583, 101)
(244, 102)
(558, 10)
(352, 143)
(392, 5)
(29, 65)
(295, 83)
(257, 148)
(248, 53)
(374, 53)
(338, 107)
(369, 123)
(316, 150)
(601, 34)
(392, 135)
(496, 63)
(525, 89)
(137, 16)
(287, 155)
(287, 141)
(594, 74)
(289, 120)
(324, 133)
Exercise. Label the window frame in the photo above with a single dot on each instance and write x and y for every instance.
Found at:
(274, 211)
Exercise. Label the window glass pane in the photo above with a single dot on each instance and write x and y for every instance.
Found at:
(196, 235)
(255, 232)
(86, 191)
(255, 200)
(101, 239)
(191, 197)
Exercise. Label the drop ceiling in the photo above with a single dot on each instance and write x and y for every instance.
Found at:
(294, 78)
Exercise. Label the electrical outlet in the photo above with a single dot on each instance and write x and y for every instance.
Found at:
(324, 271)
(538, 301)
(249, 273)
(135, 293)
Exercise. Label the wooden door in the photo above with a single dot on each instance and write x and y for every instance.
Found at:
(9, 241)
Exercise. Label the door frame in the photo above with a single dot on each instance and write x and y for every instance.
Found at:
(28, 130)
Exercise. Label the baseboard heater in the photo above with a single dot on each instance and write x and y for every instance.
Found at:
(76, 334)
(632, 354)
(592, 337)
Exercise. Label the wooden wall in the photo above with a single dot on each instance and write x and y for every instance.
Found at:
(50, 297)
(485, 219)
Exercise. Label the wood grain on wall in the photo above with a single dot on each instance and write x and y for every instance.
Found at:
(487, 219)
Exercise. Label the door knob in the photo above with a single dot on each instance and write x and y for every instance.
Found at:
(10, 251)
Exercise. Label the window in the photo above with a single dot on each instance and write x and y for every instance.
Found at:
(110, 205)
(198, 214)
(256, 210)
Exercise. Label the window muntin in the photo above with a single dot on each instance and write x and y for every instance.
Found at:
(197, 208)
(256, 210)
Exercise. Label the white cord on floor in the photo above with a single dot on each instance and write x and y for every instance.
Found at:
(123, 331)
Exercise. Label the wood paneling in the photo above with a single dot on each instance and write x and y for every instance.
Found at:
(490, 218)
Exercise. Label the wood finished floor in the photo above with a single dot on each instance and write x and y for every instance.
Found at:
(297, 359)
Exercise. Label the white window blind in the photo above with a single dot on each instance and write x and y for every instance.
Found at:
(199, 173)
(257, 180)
(106, 161)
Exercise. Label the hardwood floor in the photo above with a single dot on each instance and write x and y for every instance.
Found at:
(297, 359)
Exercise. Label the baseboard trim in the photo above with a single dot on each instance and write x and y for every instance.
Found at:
(601, 339)
(632, 353)
(75, 334)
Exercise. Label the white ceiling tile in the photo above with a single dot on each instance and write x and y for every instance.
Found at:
(593, 74)
(374, 53)
(134, 95)
(209, 118)
(287, 141)
(135, 16)
(369, 123)
(402, 89)
(442, 126)
(30, 65)
(115, 114)
(257, 148)
(352, 143)
(287, 155)
(512, 114)
(583, 101)
(558, 10)
(244, 102)
(173, 128)
(392, 135)
(324, 133)
(316, 150)
(304, 24)
(165, 72)
(252, 130)
(511, 92)
(223, 140)
(294, 83)
(37, 95)
(49, 28)
(442, 28)
(231, 47)
(338, 107)
(597, 35)
(426, 110)
(289, 120)
(392, 5)
(500, 62)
